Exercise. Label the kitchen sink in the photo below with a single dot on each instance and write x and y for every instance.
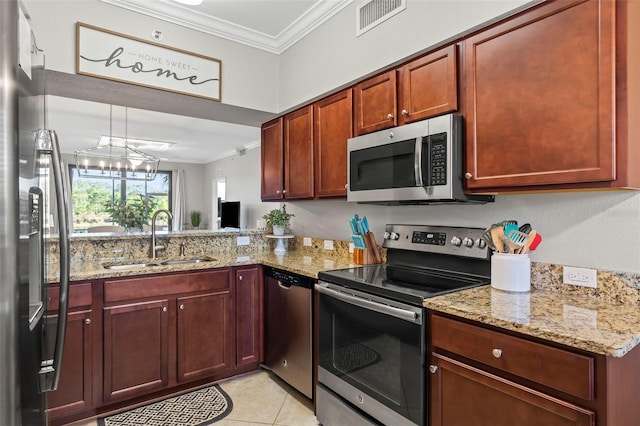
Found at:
(124, 266)
(185, 261)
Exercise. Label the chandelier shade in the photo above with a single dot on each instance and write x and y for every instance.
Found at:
(116, 159)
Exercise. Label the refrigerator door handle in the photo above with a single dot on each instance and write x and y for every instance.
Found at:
(50, 369)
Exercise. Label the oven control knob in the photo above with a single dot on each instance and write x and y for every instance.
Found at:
(386, 235)
(481, 243)
(456, 241)
(394, 236)
(468, 242)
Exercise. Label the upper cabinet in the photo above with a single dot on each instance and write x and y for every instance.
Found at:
(333, 125)
(375, 103)
(540, 98)
(272, 160)
(422, 88)
(298, 154)
(287, 156)
(428, 86)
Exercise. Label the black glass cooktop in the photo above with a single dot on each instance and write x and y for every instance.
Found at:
(401, 283)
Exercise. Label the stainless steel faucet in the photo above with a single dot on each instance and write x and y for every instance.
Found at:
(154, 245)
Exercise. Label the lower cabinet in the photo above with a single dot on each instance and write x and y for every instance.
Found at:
(249, 318)
(204, 335)
(75, 388)
(163, 331)
(483, 375)
(136, 349)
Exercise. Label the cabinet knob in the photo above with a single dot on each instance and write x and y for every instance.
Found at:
(284, 362)
(433, 368)
(405, 112)
(240, 278)
(164, 309)
(87, 321)
(182, 307)
(468, 175)
(278, 192)
(284, 191)
(497, 353)
(389, 116)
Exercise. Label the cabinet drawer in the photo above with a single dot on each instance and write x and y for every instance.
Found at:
(165, 285)
(556, 368)
(79, 296)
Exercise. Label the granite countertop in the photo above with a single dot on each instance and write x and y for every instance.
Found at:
(577, 321)
(301, 262)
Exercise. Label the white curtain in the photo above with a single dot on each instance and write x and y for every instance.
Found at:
(179, 205)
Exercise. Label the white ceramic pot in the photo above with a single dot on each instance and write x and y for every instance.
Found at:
(278, 230)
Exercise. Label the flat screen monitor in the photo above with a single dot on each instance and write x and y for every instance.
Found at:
(230, 214)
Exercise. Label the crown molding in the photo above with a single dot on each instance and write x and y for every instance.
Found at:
(178, 14)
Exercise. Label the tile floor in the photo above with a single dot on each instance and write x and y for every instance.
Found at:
(261, 398)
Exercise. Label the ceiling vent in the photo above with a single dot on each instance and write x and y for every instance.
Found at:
(373, 12)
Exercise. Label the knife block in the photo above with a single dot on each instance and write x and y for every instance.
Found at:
(364, 257)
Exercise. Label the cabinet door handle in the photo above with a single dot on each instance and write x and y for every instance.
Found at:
(405, 112)
(278, 192)
(284, 191)
(433, 368)
(468, 175)
(240, 277)
(182, 307)
(497, 353)
(164, 309)
(87, 321)
(389, 116)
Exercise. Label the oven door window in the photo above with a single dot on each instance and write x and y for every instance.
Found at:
(378, 354)
(385, 166)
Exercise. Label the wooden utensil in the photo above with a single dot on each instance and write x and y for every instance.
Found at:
(497, 236)
(525, 248)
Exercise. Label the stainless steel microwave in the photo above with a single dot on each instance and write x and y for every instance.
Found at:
(417, 163)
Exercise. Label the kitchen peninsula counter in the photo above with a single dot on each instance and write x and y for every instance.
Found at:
(579, 321)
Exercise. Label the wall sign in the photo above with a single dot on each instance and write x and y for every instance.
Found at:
(114, 56)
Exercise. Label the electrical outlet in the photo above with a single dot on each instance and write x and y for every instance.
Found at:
(328, 244)
(242, 241)
(580, 276)
(351, 247)
(306, 241)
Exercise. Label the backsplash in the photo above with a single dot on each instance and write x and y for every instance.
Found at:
(614, 287)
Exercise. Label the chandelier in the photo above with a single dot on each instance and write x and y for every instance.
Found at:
(115, 158)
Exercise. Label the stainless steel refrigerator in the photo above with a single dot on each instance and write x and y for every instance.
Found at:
(33, 215)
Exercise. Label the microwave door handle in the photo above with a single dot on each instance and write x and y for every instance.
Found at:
(417, 166)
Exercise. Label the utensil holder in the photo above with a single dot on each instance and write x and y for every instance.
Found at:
(511, 272)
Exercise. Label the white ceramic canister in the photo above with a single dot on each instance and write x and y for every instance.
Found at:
(511, 272)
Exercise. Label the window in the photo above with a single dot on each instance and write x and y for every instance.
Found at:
(89, 197)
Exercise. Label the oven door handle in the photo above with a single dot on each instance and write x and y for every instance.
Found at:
(402, 314)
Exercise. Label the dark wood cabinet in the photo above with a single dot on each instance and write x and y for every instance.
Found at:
(249, 317)
(333, 121)
(75, 389)
(428, 86)
(482, 375)
(272, 160)
(204, 335)
(136, 349)
(464, 395)
(298, 154)
(540, 98)
(375, 103)
(165, 330)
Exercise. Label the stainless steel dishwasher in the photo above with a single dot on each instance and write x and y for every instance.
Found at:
(288, 328)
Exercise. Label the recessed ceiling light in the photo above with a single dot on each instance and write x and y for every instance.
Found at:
(190, 2)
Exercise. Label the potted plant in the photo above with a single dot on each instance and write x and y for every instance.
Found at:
(278, 220)
(195, 217)
(133, 213)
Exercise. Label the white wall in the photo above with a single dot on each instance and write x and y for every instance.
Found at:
(332, 56)
(242, 176)
(249, 75)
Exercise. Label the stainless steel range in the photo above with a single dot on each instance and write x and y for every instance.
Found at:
(372, 331)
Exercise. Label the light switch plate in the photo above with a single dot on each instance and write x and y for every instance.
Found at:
(242, 241)
(328, 244)
(306, 241)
